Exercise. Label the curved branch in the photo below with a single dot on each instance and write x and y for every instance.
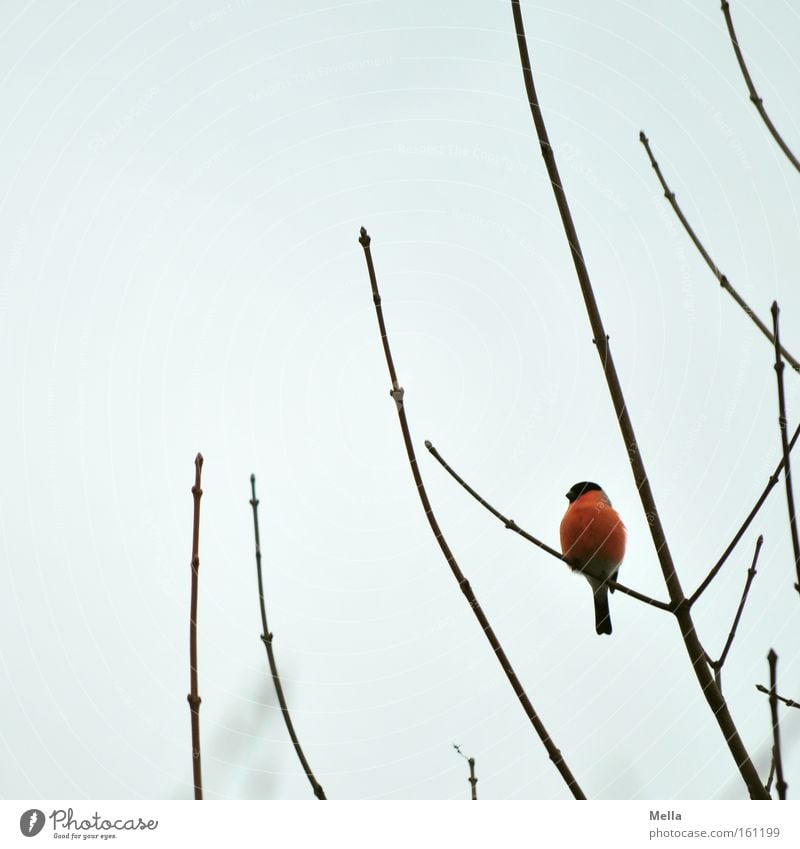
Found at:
(754, 96)
(266, 638)
(513, 526)
(708, 686)
(723, 280)
(397, 393)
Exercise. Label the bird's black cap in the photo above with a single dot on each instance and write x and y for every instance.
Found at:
(579, 489)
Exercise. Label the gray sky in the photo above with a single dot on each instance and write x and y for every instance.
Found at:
(182, 187)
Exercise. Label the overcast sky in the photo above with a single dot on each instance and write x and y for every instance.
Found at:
(182, 187)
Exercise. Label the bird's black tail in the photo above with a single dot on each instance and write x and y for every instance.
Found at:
(602, 615)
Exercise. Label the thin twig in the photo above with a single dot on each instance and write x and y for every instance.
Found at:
(788, 702)
(472, 778)
(266, 638)
(780, 784)
(723, 280)
(754, 96)
(773, 480)
(782, 424)
(397, 394)
(717, 665)
(193, 697)
(509, 523)
(513, 526)
(771, 775)
(711, 691)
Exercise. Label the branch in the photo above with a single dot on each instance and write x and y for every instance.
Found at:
(782, 424)
(266, 638)
(723, 280)
(513, 526)
(397, 394)
(193, 697)
(780, 784)
(754, 96)
(472, 779)
(509, 523)
(788, 702)
(710, 690)
(717, 665)
(771, 773)
(774, 478)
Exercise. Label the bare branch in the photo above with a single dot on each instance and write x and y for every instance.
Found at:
(509, 523)
(723, 280)
(771, 775)
(754, 96)
(513, 526)
(773, 480)
(710, 690)
(194, 697)
(780, 784)
(788, 702)
(266, 638)
(397, 393)
(472, 778)
(782, 424)
(751, 573)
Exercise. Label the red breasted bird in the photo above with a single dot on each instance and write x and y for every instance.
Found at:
(593, 538)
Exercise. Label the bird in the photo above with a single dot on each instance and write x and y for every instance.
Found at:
(593, 539)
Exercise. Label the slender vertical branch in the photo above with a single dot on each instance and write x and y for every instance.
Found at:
(754, 96)
(193, 697)
(782, 424)
(710, 690)
(473, 781)
(773, 480)
(780, 784)
(723, 280)
(397, 393)
(266, 638)
(717, 665)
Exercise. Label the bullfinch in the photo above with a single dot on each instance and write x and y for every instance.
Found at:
(593, 538)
